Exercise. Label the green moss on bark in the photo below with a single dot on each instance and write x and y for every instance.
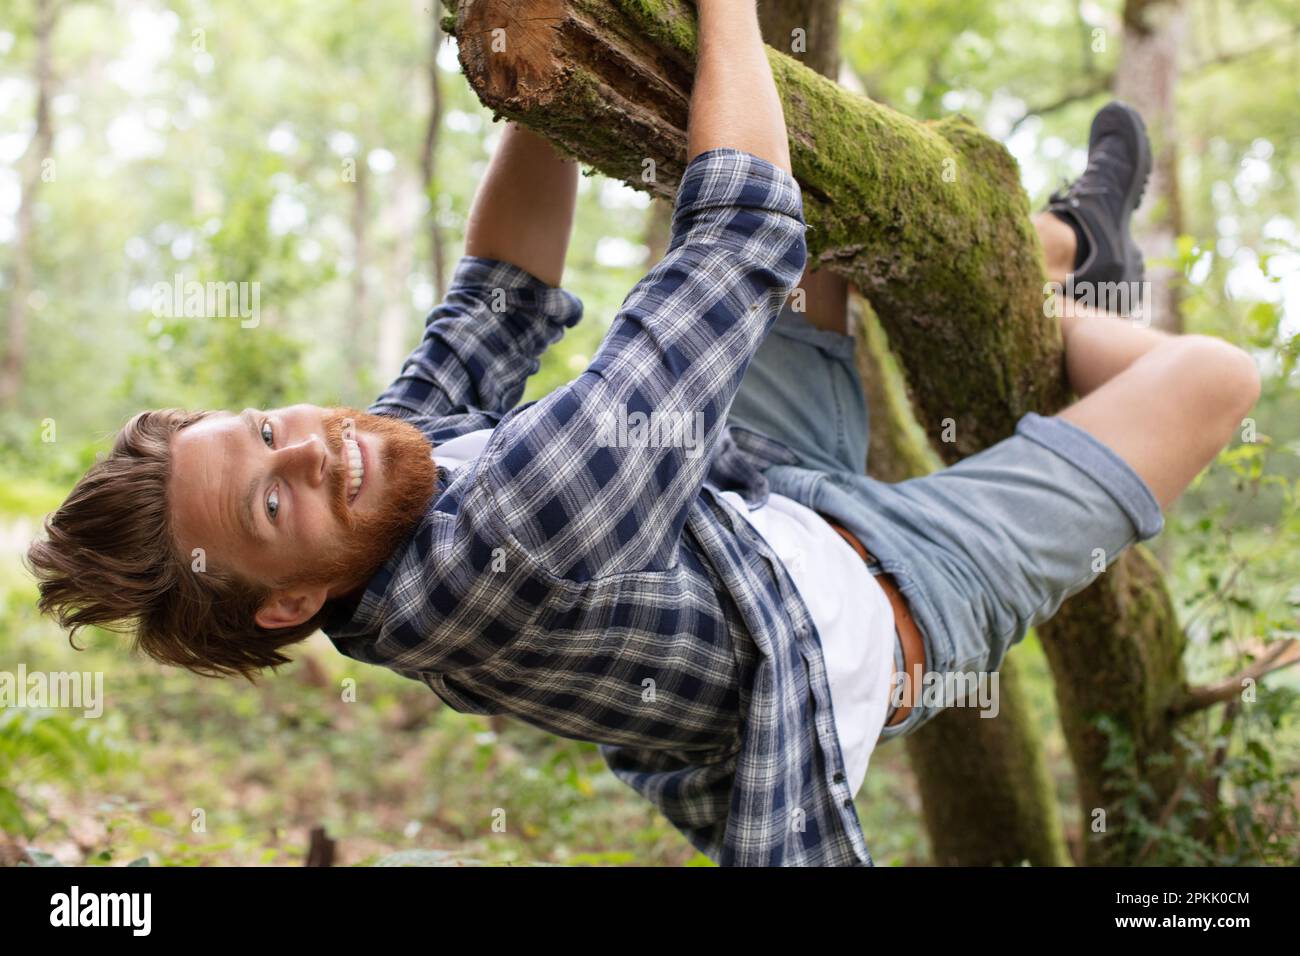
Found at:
(981, 779)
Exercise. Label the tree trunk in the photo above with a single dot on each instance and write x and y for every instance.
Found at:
(985, 792)
(33, 174)
(926, 219)
(658, 229)
(360, 259)
(1116, 655)
(429, 164)
(808, 30)
(401, 222)
(1147, 79)
(986, 795)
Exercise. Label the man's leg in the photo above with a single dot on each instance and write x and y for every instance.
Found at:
(1165, 404)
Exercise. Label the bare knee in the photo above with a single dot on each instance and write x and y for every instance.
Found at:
(1220, 379)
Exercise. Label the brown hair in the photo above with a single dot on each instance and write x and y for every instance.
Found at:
(111, 561)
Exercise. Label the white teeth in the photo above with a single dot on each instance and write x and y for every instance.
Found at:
(356, 467)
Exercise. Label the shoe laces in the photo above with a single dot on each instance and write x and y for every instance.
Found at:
(1091, 183)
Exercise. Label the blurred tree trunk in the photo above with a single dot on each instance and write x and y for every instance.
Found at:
(34, 172)
(429, 164)
(1147, 79)
(400, 220)
(986, 795)
(807, 30)
(658, 229)
(360, 255)
(930, 222)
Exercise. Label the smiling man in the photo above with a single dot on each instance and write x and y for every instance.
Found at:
(726, 626)
(326, 493)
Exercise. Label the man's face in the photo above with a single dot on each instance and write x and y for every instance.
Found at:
(299, 496)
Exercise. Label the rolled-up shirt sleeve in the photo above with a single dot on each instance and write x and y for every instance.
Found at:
(599, 476)
(481, 343)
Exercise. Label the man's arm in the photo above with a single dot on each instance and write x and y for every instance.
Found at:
(577, 481)
(503, 308)
(523, 209)
(734, 102)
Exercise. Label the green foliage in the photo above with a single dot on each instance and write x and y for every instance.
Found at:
(1234, 804)
(47, 746)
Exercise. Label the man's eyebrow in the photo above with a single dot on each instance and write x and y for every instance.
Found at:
(246, 518)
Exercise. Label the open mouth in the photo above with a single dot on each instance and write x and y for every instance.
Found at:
(355, 462)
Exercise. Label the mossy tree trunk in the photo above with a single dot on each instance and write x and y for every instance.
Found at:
(930, 222)
(986, 795)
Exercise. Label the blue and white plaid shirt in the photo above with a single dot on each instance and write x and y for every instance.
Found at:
(606, 593)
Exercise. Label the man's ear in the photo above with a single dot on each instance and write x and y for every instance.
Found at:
(291, 607)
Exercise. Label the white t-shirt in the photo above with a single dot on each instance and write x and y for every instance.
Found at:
(460, 451)
(854, 619)
(848, 606)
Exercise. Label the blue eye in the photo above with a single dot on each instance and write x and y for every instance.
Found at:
(273, 503)
(267, 435)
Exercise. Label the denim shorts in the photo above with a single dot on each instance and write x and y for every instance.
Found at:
(982, 550)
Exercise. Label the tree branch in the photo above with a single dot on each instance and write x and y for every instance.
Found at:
(1103, 82)
(1283, 654)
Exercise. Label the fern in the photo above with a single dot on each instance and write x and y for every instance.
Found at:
(47, 745)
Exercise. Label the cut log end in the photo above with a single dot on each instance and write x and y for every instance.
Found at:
(511, 60)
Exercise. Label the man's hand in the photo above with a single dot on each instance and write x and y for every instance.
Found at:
(523, 209)
(734, 102)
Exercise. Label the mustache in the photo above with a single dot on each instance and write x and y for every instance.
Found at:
(336, 473)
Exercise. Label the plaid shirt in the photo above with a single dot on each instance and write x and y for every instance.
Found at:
(606, 593)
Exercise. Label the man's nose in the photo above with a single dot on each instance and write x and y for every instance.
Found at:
(307, 459)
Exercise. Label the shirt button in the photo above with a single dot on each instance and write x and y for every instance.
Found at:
(848, 804)
(839, 778)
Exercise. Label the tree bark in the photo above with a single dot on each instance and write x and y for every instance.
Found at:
(658, 229)
(808, 30)
(930, 222)
(1116, 655)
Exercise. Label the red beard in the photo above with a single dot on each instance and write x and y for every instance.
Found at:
(370, 538)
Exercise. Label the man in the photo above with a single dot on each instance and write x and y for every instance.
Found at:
(559, 561)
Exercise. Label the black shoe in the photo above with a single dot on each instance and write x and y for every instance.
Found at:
(1101, 201)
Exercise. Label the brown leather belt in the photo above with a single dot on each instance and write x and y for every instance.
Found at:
(909, 634)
